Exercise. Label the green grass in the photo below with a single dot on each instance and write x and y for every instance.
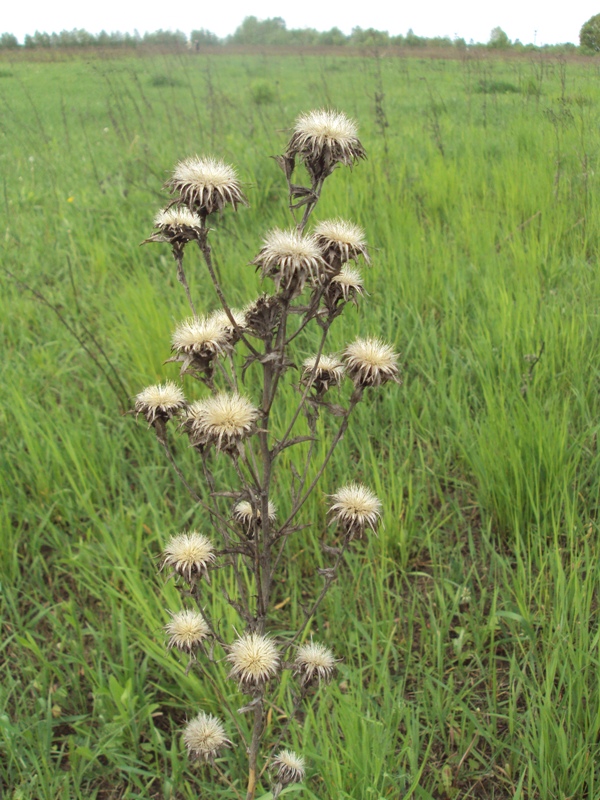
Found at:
(468, 629)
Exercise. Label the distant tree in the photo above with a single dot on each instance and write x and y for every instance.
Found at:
(260, 31)
(589, 35)
(165, 38)
(498, 39)
(8, 41)
(203, 37)
(333, 37)
(38, 40)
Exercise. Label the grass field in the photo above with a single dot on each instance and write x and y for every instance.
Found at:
(469, 628)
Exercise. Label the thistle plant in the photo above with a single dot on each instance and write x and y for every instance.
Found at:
(313, 276)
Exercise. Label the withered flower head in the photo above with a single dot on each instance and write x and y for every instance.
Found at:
(254, 660)
(340, 241)
(203, 336)
(322, 139)
(290, 767)
(329, 372)
(250, 517)
(186, 629)
(177, 226)
(262, 316)
(370, 362)
(346, 285)
(314, 663)
(204, 736)
(290, 258)
(234, 332)
(159, 402)
(355, 508)
(205, 185)
(223, 420)
(190, 555)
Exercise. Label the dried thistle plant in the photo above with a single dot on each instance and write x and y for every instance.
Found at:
(312, 284)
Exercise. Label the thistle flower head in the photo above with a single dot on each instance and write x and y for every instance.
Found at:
(204, 336)
(186, 629)
(340, 241)
(205, 185)
(370, 362)
(322, 139)
(329, 371)
(289, 258)
(159, 402)
(190, 555)
(176, 225)
(223, 420)
(262, 316)
(250, 517)
(346, 285)
(355, 508)
(204, 736)
(254, 660)
(314, 663)
(290, 767)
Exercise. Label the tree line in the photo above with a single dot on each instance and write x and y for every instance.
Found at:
(271, 32)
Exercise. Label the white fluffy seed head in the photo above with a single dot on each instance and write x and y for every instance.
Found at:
(323, 125)
(161, 401)
(222, 420)
(371, 362)
(220, 317)
(206, 185)
(186, 630)
(340, 240)
(322, 139)
(189, 554)
(176, 217)
(328, 372)
(254, 660)
(204, 736)
(314, 663)
(244, 513)
(290, 767)
(355, 508)
(289, 258)
(204, 336)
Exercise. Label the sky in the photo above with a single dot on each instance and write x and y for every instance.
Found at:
(528, 20)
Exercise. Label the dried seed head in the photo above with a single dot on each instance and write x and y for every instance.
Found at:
(204, 736)
(290, 767)
(187, 629)
(190, 555)
(159, 402)
(220, 318)
(340, 241)
(346, 285)
(314, 663)
(254, 660)
(177, 226)
(355, 508)
(250, 517)
(290, 258)
(370, 362)
(322, 139)
(329, 372)
(262, 316)
(204, 336)
(205, 185)
(223, 420)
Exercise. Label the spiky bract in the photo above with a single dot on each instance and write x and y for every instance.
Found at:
(254, 660)
(205, 185)
(159, 402)
(204, 736)
(190, 555)
(187, 629)
(355, 508)
(223, 420)
(371, 362)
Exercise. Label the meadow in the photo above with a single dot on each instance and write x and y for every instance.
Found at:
(468, 628)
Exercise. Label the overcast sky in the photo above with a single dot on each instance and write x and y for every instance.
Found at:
(527, 20)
